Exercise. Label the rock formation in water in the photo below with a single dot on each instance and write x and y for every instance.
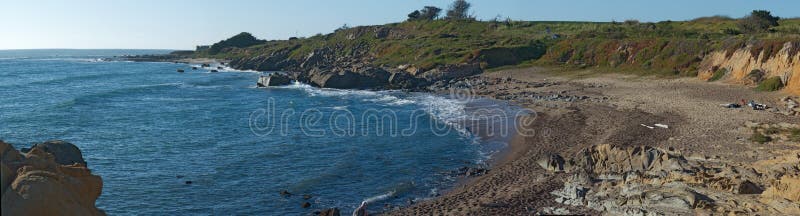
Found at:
(50, 179)
(275, 79)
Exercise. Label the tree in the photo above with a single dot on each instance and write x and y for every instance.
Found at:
(427, 13)
(459, 10)
(758, 21)
(430, 13)
(344, 27)
(414, 15)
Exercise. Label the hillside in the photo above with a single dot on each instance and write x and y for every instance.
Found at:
(422, 52)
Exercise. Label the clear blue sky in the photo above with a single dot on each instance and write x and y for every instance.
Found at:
(182, 24)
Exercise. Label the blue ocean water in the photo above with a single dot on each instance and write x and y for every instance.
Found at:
(147, 129)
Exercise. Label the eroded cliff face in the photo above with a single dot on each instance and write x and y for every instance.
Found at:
(50, 179)
(739, 63)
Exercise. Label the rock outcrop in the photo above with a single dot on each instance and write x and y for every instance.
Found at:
(645, 180)
(275, 79)
(330, 212)
(739, 64)
(50, 179)
(352, 67)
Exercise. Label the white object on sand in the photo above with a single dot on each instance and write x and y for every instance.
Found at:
(662, 126)
(651, 127)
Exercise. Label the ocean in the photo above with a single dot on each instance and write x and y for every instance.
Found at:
(147, 130)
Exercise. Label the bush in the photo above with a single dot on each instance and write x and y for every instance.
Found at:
(794, 135)
(631, 22)
(755, 76)
(771, 84)
(772, 130)
(731, 31)
(427, 13)
(718, 74)
(459, 10)
(758, 21)
(240, 40)
(759, 138)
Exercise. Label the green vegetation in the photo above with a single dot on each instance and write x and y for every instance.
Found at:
(758, 21)
(771, 131)
(427, 13)
(770, 84)
(459, 10)
(241, 40)
(794, 135)
(424, 41)
(718, 74)
(759, 138)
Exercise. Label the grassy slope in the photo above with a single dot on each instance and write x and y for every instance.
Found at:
(668, 48)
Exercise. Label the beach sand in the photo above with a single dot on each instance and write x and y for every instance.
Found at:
(609, 109)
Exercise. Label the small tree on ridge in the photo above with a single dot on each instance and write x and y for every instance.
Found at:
(427, 13)
(459, 10)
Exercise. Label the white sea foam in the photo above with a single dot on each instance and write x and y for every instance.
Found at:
(379, 197)
(225, 68)
(444, 110)
(448, 111)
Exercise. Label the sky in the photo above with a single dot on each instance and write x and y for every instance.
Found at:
(182, 24)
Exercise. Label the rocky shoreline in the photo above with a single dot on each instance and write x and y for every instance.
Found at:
(50, 178)
(619, 163)
(322, 68)
(596, 151)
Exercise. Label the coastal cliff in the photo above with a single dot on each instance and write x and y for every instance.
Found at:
(416, 54)
(49, 179)
(739, 65)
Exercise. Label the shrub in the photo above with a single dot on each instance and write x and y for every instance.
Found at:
(755, 76)
(758, 21)
(240, 40)
(771, 130)
(731, 31)
(794, 135)
(631, 22)
(459, 10)
(771, 84)
(414, 15)
(718, 74)
(759, 138)
(427, 13)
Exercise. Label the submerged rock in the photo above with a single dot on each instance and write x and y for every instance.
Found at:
(330, 212)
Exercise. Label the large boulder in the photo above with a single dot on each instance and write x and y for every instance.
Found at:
(330, 212)
(368, 77)
(37, 184)
(275, 79)
(65, 153)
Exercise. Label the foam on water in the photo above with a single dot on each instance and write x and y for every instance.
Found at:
(446, 110)
(196, 125)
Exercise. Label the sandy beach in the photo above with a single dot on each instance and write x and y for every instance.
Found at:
(577, 115)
